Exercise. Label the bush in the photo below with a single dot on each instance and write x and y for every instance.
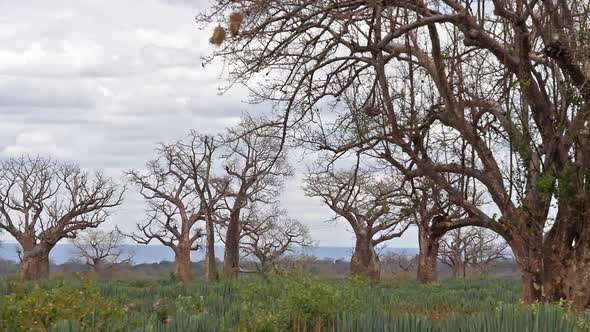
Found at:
(295, 302)
(31, 307)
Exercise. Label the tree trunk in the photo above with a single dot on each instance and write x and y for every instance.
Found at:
(35, 264)
(365, 262)
(231, 258)
(570, 281)
(459, 270)
(183, 264)
(526, 249)
(210, 263)
(427, 257)
(566, 252)
(556, 265)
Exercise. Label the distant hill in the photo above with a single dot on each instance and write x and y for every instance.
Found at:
(157, 253)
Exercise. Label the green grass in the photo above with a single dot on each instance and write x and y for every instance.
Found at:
(287, 303)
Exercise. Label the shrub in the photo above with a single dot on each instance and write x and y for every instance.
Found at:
(30, 307)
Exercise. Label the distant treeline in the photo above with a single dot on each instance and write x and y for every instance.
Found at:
(405, 265)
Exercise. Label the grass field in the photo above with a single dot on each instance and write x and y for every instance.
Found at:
(286, 303)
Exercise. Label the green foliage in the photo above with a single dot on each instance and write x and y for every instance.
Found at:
(565, 182)
(561, 186)
(546, 184)
(524, 85)
(296, 301)
(33, 307)
(190, 305)
(286, 303)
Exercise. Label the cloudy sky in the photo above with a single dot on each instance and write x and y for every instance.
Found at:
(100, 83)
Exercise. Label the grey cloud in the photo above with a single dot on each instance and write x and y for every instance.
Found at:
(19, 92)
(166, 57)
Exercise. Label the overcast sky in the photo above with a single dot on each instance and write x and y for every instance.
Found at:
(101, 82)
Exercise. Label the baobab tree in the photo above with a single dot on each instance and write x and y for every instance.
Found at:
(508, 80)
(471, 248)
(196, 158)
(256, 167)
(488, 249)
(173, 208)
(431, 211)
(269, 235)
(454, 251)
(371, 206)
(44, 201)
(102, 251)
(435, 216)
(399, 262)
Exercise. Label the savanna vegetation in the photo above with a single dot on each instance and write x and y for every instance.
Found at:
(288, 303)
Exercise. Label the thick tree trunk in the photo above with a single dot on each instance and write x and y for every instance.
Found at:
(459, 270)
(35, 264)
(210, 263)
(530, 262)
(427, 257)
(102, 269)
(570, 280)
(182, 268)
(231, 258)
(566, 252)
(365, 262)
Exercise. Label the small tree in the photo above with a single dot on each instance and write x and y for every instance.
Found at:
(268, 236)
(173, 208)
(102, 251)
(471, 247)
(399, 262)
(43, 201)
(487, 249)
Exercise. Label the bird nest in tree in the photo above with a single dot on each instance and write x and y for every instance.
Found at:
(218, 36)
(235, 22)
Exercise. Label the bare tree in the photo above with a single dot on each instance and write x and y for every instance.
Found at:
(399, 262)
(43, 201)
(173, 208)
(454, 251)
(197, 159)
(434, 216)
(488, 249)
(371, 206)
(270, 235)
(256, 167)
(505, 81)
(471, 247)
(102, 251)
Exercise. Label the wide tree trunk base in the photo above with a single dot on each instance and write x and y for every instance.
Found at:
(183, 266)
(365, 262)
(35, 267)
(231, 268)
(427, 258)
(426, 273)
